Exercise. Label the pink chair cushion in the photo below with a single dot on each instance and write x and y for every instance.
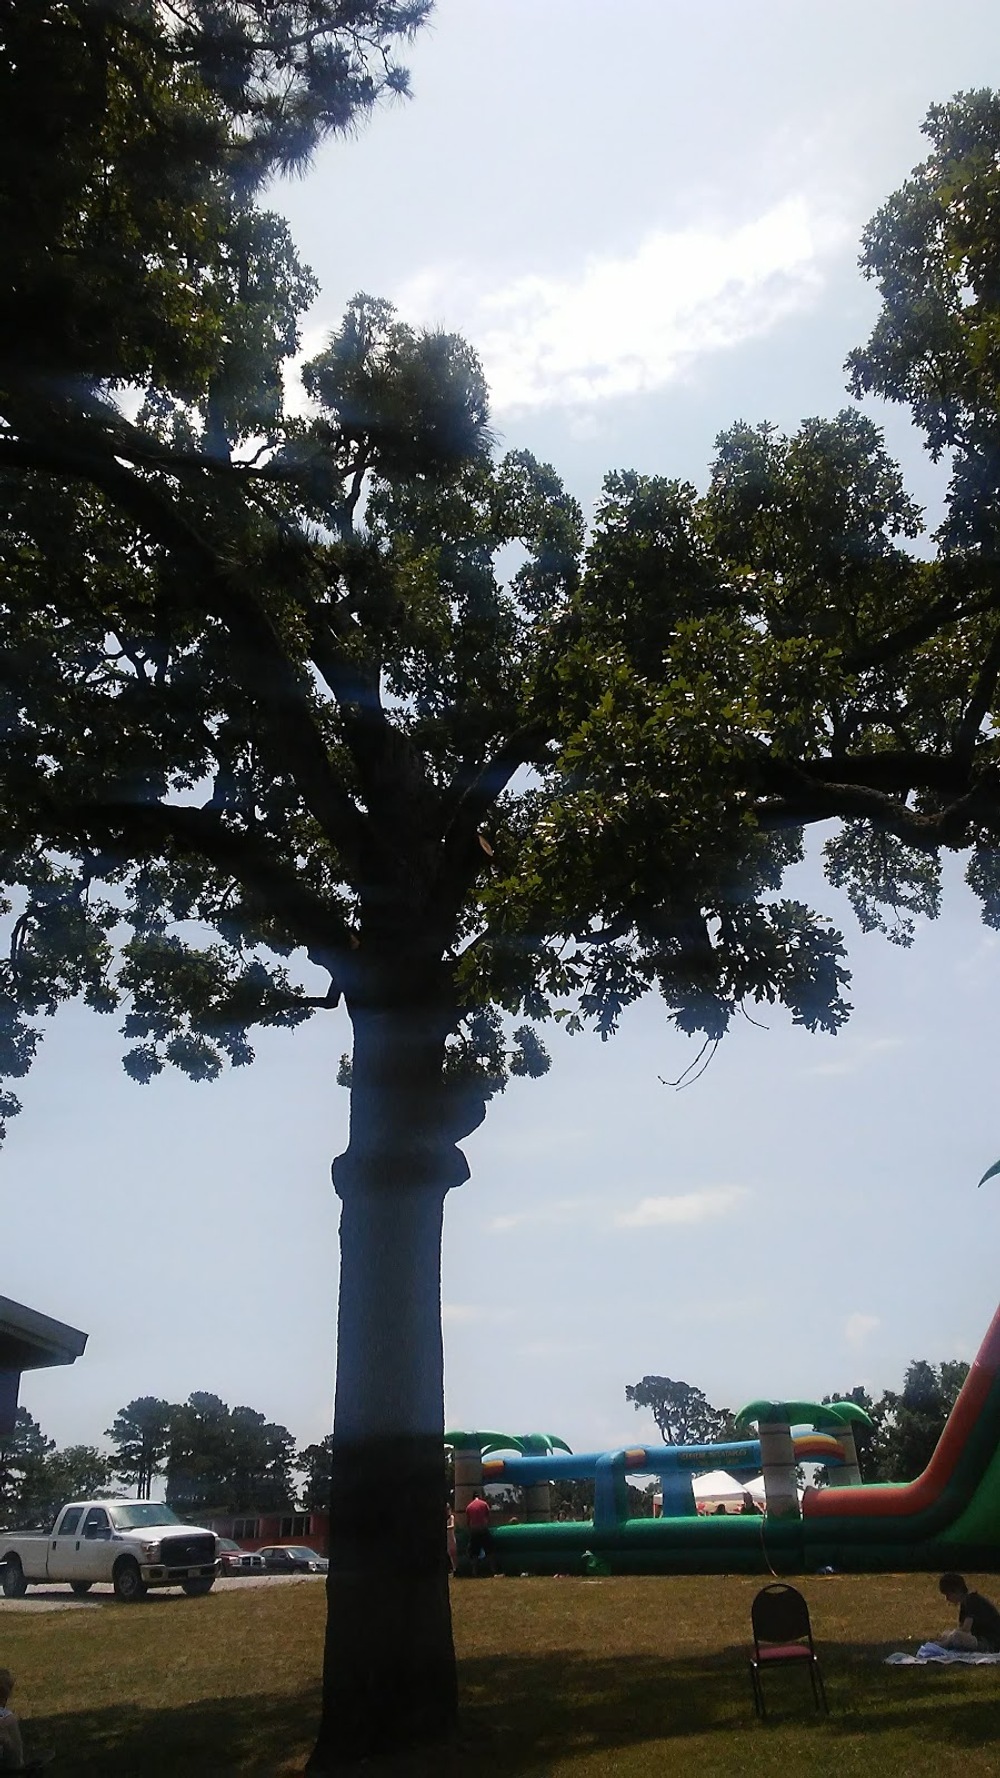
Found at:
(791, 1651)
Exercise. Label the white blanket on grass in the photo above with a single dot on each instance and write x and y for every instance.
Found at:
(933, 1652)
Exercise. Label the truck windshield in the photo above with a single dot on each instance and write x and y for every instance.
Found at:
(136, 1513)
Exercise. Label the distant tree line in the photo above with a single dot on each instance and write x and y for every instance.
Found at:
(35, 1477)
(213, 1458)
(907, 1423)
(208, 1457)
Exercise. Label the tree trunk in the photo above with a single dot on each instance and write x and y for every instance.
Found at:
(389, 1671)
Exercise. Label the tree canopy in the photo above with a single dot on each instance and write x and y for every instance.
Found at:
(283, 731)
(140, 1434)
(139, 131)
(316, 1464)
(226, 1459)
(36, 1478)
(214, 1458)
(23, 1455)
(683, 1413)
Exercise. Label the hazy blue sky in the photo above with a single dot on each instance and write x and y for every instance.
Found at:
(646, 217)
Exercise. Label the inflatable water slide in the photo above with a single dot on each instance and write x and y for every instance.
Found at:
(949, 1517)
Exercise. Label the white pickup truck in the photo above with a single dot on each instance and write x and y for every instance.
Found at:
(134, 1544)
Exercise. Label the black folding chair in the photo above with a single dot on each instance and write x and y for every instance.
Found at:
(782, 1637)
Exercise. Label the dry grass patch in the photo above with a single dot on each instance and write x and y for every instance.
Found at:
(560, 1679)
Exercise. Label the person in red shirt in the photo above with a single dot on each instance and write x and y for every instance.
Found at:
(477, 1518)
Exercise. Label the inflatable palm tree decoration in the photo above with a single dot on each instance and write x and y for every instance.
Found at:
(483, 1442)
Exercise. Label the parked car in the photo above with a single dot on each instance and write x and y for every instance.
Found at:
(292, 1558)
(252, 1562)
(230, 1555)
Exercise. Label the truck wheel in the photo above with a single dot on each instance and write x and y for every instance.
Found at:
(197, 1588)
(14, 1584)
(129, 1584)
(79, 1587)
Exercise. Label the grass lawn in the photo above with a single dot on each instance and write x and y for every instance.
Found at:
(560, 1679)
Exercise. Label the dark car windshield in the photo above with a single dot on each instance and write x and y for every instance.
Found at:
(133, 1515)
(296, 1549)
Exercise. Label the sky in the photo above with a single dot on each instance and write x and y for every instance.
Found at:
(646, 218)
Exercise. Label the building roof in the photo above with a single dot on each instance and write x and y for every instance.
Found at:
(30, 1341)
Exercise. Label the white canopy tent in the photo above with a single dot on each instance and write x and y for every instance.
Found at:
(716, 1489)
(755, 1489)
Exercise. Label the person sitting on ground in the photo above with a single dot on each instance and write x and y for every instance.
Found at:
(11, 1747)
(978, 1619)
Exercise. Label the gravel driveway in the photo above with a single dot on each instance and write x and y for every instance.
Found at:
(61, 1599)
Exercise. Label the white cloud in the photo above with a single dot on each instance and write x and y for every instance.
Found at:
(679, 1209)
(562, 1211)
(684, 1208)
(854, 1056)
(466, 1312)
(857, 1327)
(631, 324)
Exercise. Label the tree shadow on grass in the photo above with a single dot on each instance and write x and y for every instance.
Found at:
(257, 1733)
(522, 1713)
(517, 1714)
(957, 1706)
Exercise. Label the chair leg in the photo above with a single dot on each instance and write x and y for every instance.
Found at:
(822, 1688)
(758, 1690)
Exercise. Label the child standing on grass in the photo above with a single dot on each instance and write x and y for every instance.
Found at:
(11, 1748)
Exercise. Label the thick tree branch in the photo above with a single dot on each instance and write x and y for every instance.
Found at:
(271, 886)
(463, 853)
(476, 788)
(810, 802)
(943, 614)
(895, 771)
(979, 703)
(266, 671)
(401, 800)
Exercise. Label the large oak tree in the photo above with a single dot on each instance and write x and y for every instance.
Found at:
(283, 732)
(683, 1413)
